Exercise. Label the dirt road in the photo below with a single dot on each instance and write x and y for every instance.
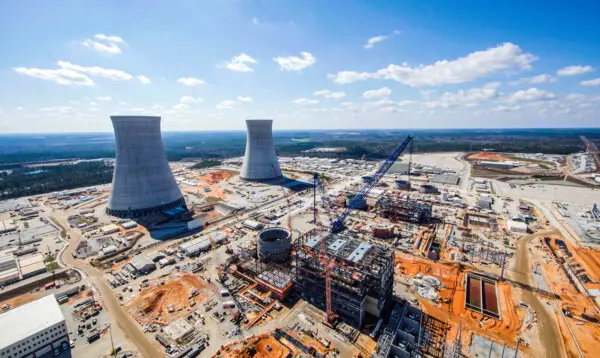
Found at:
(548, 327)
(127, 325)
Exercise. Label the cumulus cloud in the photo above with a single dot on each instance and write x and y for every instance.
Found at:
(529, 95)
(105, 44)
(255, 20)
(574, 70)
(245, 99)
(378, 93)
(468, 98)
(227, 104)
(59, 110)
(594, 82)
(292, 63)
(190, 81)
(96, 71)
(543, 78)
(144, 80)
(239, 63)
(104, 99)
(329, 94)
(465, 69)
(306, 101)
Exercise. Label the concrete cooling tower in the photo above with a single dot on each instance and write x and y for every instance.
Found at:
(260, 160)
(143, 182)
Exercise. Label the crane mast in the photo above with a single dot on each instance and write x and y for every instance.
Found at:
(338, 224)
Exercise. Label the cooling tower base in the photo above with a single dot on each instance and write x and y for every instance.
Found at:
(265, 180)
(137, 213)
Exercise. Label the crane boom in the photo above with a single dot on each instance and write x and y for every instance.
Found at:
(338, 224)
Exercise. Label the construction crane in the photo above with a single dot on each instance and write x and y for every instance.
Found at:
(338, 224)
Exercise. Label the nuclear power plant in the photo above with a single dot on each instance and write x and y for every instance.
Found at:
(143, 182)
(260, 161)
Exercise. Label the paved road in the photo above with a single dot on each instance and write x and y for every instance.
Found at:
(548, 327)
(125, 322)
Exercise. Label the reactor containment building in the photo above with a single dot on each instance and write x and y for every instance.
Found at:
(260, 161)
(143, 182)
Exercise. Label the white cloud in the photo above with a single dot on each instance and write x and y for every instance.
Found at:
(574, 70)
(594, 82)
(245, 99)
(190, 100)
(293, 63)
(374, 40)
(405, 103)
(323, 109)
(59, 110)
(329, 94)
(347, 104)
(104, 99)
(123, 103)
(378, 93)
(181, 107)
(96, 71)
(503, 108)
(529, 95)
(20, 109)
(471, 67)
(144, 80)
(104, 43)
(306, 101)
(239, 63)
(227, 104)
(190, 81)
(543, 78)
(468, 98)
(115, 39)
(255, 20)
(61, 76)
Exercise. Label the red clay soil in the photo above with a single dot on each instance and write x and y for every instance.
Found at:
(153, 302)
(492, 157)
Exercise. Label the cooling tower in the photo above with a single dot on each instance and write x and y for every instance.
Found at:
(142, 181)
(260, 160)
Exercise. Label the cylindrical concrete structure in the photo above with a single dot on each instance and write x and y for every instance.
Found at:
(143, 182)
(360, 204)
(401, 184)
(428, 189)
(367, 179)
(274, 244)
(260, 161)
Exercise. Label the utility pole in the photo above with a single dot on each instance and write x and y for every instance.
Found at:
(503, 263)
(517, 348)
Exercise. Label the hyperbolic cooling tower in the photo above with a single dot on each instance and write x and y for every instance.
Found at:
(142, 181)
(260, 160)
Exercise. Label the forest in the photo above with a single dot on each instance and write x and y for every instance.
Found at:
(43, 179)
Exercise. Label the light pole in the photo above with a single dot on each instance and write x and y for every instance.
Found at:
(114, 354)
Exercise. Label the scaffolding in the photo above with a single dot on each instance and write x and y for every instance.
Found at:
(361, 276)
(403, 210)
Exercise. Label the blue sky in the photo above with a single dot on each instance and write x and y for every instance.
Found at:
(66, 66)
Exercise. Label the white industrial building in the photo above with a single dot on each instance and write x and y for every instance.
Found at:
(129, 225)
(253, 224)
(9, 271)
(109, 229)
(7, 226)
(516, 226)
(195, 247)
(141, 265)
(33, 329)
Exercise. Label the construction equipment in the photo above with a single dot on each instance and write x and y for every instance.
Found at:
(338, 224)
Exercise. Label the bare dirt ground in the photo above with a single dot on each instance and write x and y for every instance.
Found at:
(488, 156)
(152, 304)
